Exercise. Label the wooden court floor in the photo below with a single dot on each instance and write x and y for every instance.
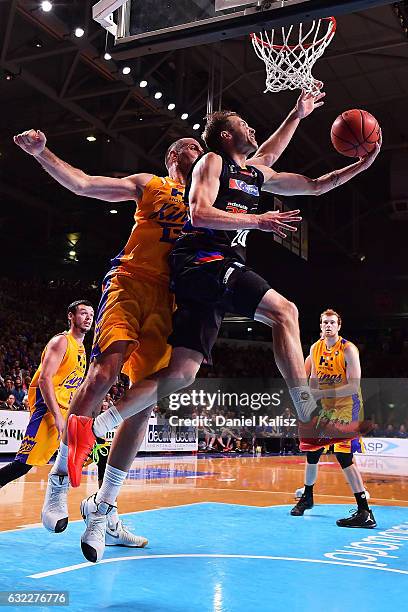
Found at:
(171, 481)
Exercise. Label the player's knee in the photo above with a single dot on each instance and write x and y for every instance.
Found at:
(345, 460)
(183, 377)
(286, 313)
(313, 457)
(101, 376)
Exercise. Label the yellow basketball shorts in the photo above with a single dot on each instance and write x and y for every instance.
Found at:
(41, 440)
(140, 311)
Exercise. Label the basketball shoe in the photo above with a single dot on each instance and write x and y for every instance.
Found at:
(54, 514)
(304, 503)
(323, 432)
(95, 516)
(117, 534)
(81, 440)
(360, 518)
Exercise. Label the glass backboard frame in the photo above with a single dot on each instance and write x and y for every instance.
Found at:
(248, 16)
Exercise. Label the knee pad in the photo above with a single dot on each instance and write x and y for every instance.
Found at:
(345, 459)
(314, 456)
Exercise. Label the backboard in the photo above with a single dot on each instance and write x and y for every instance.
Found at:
(142, 27)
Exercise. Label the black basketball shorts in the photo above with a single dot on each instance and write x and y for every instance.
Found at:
(204, 293)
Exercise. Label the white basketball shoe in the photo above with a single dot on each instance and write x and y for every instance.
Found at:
(104, 528)
(54, 514)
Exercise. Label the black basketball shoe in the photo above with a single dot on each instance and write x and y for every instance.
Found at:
(304, 503)
(360, 518)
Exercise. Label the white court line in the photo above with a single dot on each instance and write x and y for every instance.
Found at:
(72, 568)
(292, 493)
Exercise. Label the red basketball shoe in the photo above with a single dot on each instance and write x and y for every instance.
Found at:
(81, 439)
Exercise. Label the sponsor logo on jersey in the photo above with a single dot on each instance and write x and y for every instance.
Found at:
(243, 186)
(330, 379)
(235, 207)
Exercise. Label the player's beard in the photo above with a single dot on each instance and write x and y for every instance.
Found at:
(82, 328)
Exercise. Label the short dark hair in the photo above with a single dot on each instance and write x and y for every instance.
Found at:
(72, 308)
(215, 124)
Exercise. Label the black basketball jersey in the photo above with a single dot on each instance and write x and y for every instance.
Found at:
(239, 192)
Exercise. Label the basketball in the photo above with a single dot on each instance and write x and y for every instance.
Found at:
(355, 133)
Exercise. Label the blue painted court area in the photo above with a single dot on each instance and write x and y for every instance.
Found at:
(221, 558)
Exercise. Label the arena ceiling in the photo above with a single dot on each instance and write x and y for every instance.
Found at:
(61, 84)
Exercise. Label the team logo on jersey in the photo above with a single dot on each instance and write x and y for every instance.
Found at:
(72, 381)
(234, 207)
(175, 192)
(243, 186)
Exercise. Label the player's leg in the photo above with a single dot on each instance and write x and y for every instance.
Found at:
(194, 334)
(116, 332)
(13, 471)
(311, 469)
(363, 517)
(101, 376)
(152, 355)
(182, 368)
(282, 315)
(197, 330)
(249, 294)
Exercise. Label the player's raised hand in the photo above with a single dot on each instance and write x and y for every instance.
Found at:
(307, 102)
(370, 157)
(279, 222)
(31, 141)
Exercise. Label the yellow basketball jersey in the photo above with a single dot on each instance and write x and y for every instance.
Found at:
(330, 366)
(67, 379)
(159, 217)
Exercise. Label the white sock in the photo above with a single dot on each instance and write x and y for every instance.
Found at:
(106, 421)
(61, 462)
(303, 402)
(112, 482)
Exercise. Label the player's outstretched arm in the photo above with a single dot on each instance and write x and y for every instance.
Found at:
(204, 190)
(285, 183)
(271, 150)
(105, 188)
(54, 355)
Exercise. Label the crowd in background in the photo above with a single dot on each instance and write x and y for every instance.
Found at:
(31, 312)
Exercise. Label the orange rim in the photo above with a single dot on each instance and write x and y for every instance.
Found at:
(330, 31)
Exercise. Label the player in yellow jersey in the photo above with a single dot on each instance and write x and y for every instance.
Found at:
(135, 313)
(335, 374)
(60, 373)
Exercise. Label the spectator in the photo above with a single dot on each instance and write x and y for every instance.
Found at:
(9, 404)
(390, 431)
(402, 432)
(7, 389)
(25, 404)
(18, 392)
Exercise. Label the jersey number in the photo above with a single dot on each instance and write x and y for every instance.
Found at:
(240, 238)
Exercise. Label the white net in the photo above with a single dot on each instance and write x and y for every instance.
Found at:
(291, 52)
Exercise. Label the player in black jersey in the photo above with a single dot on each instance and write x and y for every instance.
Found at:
(209, 274)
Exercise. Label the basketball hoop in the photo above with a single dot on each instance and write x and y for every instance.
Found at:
(291, 52)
